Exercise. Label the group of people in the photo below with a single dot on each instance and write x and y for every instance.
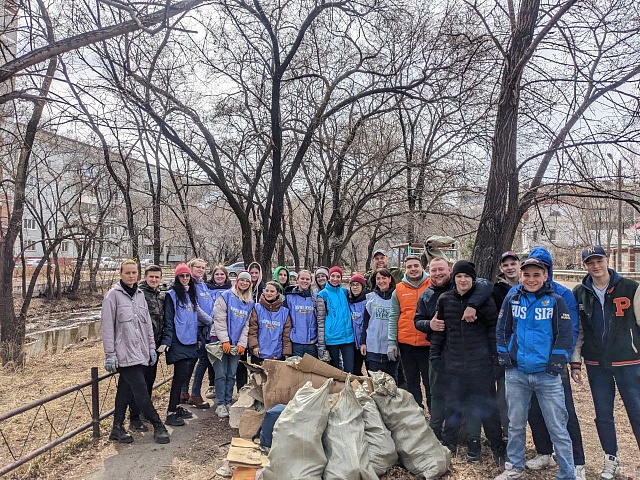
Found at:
(492, 356)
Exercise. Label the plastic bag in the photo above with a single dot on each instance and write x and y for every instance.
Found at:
(382, 449)
(296, 452)
(344, 440)
(417, 445)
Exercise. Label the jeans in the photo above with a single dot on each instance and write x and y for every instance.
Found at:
(472, 394)
(519, 387)
(348, 353)
(387, 367)
(201, 368)
(299, 349)
(358, 361)
(603, 382)
(437, 391)
(132, 388)
(539, 431)
(225, 378)
(150, 372)
(502, 405)
(181, 373)
(415, 361)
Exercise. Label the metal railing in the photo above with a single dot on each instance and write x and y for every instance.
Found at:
(21, 458)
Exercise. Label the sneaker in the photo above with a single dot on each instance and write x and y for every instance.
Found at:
(119, 434)
(137, 425)
(174, 420)
(580, 472)
(509, 472)
(183, 412)
(160, 434)
(474, 448)
(221, 411)
(198, 402)
(540, 461)
(211, 393)
(500, 456)
(610, 467)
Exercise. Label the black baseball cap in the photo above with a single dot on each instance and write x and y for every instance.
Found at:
(593, 251)
(509, 254)
(534, 262)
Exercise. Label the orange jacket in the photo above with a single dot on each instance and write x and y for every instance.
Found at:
(407, 296)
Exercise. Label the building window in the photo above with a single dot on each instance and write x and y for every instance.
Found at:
(552, 234)
(64, 247)
(28, 223)
(535, 236)
(30, 247)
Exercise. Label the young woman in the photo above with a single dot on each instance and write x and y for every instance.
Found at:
(180, 338)
(231, 326)
(198, 268)
(127, 339)
(357, 298)
(335, 330)
(269, 326)
(375, 325)
(302, 310)
(281, 276)
(257, 285)
(218, 284)
(321, 277)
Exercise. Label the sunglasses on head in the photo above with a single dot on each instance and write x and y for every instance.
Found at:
(184, 275)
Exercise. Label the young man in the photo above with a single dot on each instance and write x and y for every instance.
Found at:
(534, 342)
(150, 286)
(609, 343)
(440, 281)
(466, 351)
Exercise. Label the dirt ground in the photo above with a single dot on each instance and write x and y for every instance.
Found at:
(197, 450)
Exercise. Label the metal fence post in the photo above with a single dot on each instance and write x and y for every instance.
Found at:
(95, 402)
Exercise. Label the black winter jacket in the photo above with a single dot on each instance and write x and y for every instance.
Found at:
(463, 346)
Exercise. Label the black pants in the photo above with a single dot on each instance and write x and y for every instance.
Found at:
(132, 388)
(539, 431)
(242, 374)
(212, 375)
(415, 361)
(150, 373)
(472, 395)
(358, 361)
(182, 370)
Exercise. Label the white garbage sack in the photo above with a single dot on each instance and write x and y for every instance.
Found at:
(344, 440)
(382, 449)
(296, 452)
(419, 449)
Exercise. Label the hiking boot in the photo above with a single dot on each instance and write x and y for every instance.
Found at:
(211, 393)
(580, 472)
(609, 467)
(119, 434)
(184, 398)
(509, 473)
(540, 461)
(160, 434)
(474, 448)
(183, 412)
(198, 402)
(137, 425)
(221, 411)
(174, 420)
(500, 456)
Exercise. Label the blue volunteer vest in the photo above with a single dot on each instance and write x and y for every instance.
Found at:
(205, 298)
(378, 328)
(304, 326)
(237, 315)
(185, 320)
(270, 327)
(357, 313)
(217, 292)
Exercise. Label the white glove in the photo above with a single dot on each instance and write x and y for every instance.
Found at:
(162, 348)
(392, 352)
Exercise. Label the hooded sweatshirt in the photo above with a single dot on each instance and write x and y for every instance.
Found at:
(257, 287)
(404, 302)
(277, 271)
(270, 329)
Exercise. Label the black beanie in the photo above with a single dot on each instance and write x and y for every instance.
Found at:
(465, 266)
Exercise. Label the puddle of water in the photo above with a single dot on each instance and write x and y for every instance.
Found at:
(54, 340)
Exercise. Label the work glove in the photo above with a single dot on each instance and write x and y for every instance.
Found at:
(153, 357)
(323, 354)
(504, 360)
(556, 364)
(226, 347)
(162, 348)
(111, 364)
(392, 352)
(240, 350)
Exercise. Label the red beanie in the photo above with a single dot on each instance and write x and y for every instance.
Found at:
(335, 269)
(182, 268)
(359, 279)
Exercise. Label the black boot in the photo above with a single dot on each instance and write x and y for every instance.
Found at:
(160, 434)
(136, 424)
(474, 448)
(119, 434)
